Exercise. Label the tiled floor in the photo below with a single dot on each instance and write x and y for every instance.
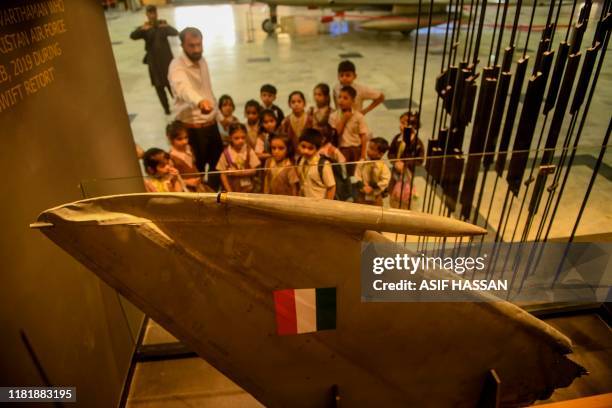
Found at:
(181, 383)
(241, 58)
(190, 382)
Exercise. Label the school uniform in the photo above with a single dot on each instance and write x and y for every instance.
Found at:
(281, 178)
(331, 151)
(314, 182)
(364, 93)
(343, 182)
(401, 187)
(252, 134)
(399, 149)
(375, 174)
(167, 184)
(245, 159)
(278, 112)
(262, 144)
(184, 162)
(223, 130)
(349, 141)
(292, 127)
(261, 148)
(320, 121)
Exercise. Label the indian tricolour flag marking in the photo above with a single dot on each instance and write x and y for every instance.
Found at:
(305, 310)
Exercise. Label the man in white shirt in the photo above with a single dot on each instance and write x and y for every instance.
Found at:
(195, 102)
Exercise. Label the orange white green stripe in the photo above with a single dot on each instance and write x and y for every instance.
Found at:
(305, 310)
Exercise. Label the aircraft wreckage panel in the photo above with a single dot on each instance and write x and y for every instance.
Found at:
(207, 270)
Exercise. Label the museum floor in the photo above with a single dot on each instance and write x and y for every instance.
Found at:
(241, 58)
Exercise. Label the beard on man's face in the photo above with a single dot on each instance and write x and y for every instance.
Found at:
(194, 56)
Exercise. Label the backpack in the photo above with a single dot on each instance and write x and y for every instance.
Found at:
(343, 182)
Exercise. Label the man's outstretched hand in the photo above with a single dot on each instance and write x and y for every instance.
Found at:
(205, 106)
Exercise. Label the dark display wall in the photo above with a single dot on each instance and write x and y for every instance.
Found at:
(62, 120)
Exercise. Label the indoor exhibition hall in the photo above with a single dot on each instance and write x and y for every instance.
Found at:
(306, 203)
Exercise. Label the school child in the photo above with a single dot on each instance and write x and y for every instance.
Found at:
(182, 157)
(226, 116)
(337, 159)
(164, 178)
(330, 151)
(405, 153)
(351, 128)
(240, 160)
(267, 94)
(320, 113)
(373, 176)
(347, 75)
(293, 125)
(269, 124)
(252, 109)
(315, 172)
(281, 176)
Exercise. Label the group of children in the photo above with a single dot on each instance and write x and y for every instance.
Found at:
(310, 152)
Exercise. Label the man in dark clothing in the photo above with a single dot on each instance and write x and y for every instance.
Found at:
(158, 54)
